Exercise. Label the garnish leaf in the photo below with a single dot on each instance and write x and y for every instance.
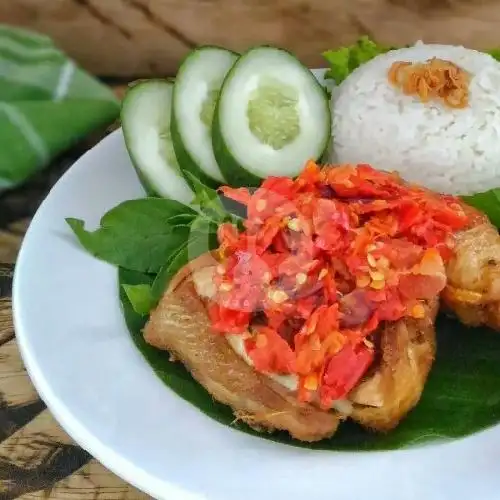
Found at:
(140, 297)
(176, 261)
(487, 202)
(202, 238)
(137, 234)
(342, 62)
(209, 202)
(206, 198)
(495, 53)
(338, 61)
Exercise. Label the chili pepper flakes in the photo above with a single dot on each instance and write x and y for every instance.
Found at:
(322, 261)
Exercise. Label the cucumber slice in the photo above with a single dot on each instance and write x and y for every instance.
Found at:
(271, 117)
(195, 92)
(145, 117)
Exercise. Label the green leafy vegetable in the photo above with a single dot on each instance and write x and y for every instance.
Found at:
(140, 297)
(488, 202)
(495, 53)
(342, 62)
(202, 238)
(462, 395)
(177, 260)
(209, 203)
(138, 234)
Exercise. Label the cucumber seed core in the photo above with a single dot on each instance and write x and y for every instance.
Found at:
(272, 113)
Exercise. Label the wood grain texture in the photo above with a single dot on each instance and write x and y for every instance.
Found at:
(41, 461)
(6, 328)
(92, 482)
(6, 274)
(150, 37)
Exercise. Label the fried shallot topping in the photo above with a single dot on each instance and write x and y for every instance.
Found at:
(436, 78)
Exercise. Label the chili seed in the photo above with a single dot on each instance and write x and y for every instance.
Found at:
(311, 382)
(315, 343)
(418, 311)
(261, 341)
(371, 260)
(377, 276)
(301, 278)
(278, 296)
(261, 205)
(293, 224)
(368, 343)
(362, 281)
(377, 284)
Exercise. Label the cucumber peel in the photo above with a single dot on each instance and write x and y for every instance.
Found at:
(195, 93)
(272, 116)
(145, 117)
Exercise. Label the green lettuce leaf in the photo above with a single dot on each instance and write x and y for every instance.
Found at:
(488, 203)
(342, 62)
(495, 53)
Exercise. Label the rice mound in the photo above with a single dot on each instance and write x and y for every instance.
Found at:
(449, 150)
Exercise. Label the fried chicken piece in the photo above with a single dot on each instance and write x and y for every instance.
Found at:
(406, 349)
(180, 324)
(473, 290)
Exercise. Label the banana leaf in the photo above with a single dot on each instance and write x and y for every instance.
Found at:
(461, 397)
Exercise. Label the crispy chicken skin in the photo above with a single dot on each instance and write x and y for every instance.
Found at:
(473, 290)
(407, 349)
(180, 324)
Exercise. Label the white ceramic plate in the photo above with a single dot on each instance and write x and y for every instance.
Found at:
(82, 361)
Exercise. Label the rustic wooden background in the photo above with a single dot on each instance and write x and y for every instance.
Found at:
(149, 37)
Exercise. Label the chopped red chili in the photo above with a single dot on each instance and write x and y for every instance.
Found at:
(322, 261)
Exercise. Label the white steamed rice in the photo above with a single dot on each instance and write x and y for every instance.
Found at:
(449, 150)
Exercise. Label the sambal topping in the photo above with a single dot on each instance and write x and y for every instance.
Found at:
(323, 260)
(434, 79)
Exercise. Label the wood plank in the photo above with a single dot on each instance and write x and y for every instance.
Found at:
(150, 37)
(9, 246)
(16, 388)
(19, 401)
(41, 461)
(92, 482)
(37, 456)
(108, 38)
(6, 327)
(19, 227)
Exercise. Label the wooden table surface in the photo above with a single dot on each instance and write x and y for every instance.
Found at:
(38, 460)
